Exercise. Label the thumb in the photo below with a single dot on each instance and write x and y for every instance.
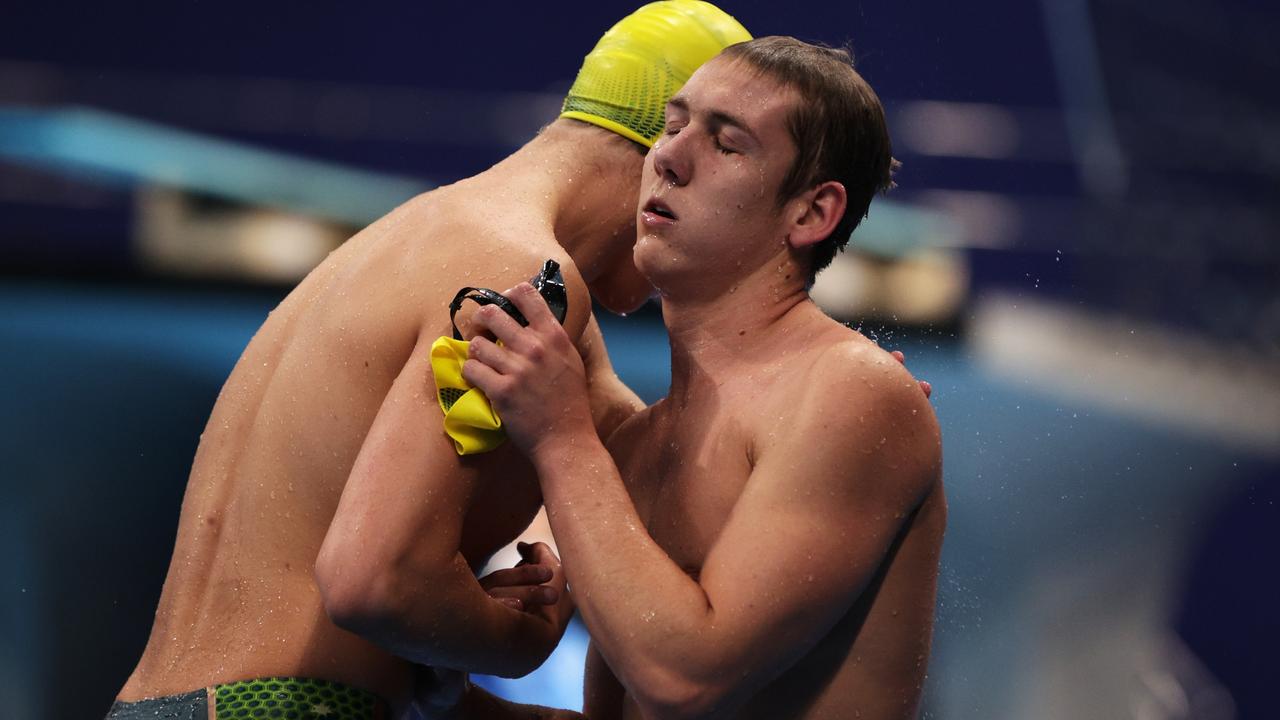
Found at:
(539, 553)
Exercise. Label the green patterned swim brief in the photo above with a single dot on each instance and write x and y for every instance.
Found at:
(280, 698)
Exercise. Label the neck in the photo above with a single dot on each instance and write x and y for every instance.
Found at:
(582, 181)
(717, 337)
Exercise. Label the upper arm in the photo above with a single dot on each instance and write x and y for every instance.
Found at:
(826, 499)
(602, 694)
(407, 480)
(407, 483)
(518, 268)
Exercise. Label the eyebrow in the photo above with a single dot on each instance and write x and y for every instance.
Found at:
(718, 117)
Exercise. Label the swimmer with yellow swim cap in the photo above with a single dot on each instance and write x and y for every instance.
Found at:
(764, 541)
(331, 533)
(623, 87)
(626, 81)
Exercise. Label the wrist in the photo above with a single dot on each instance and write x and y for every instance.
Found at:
(564, 444)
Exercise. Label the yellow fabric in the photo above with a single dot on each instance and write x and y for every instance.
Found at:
(468, 418)
(626, 81)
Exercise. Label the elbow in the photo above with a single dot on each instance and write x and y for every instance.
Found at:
(357, 598)
(679, 705)
(678, 696)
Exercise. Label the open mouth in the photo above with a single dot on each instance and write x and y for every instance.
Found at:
(656, 207)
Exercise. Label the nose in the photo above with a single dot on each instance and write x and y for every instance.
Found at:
(671, 159)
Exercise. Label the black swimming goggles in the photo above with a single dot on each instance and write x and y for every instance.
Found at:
(549, 283)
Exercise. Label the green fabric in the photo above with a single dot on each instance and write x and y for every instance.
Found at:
(285, 698)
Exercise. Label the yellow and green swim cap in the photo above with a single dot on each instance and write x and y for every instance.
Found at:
(626, 81)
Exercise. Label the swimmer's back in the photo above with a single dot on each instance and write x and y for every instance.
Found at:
(240, 600)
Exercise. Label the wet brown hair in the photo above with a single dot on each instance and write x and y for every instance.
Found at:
(837, 124)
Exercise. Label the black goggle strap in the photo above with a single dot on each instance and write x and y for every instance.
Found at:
(549, 283)
(483, 296)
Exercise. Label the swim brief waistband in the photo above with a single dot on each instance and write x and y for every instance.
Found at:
(278, 698)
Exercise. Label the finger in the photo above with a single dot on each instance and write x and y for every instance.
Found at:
(492, 355)
(532, 306)
(539, 553)
(493, 320)
(524, 549)
(543, 595)
(926, 387)
(519, 575)
(528, 595)
(897, 355)
(483, 377)
(511, 602)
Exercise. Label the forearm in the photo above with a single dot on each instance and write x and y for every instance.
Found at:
(536, 379)
(390, 569)
(617, 570)
(446, 619)
(391, 573)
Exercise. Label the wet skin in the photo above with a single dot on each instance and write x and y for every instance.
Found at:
(324, 493)
(764, 542)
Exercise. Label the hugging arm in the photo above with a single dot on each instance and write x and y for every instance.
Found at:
(811, 528)
(390, 569)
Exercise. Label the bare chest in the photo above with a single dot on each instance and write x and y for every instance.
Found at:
(685, 476)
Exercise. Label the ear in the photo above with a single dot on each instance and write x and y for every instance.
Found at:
(816, 214)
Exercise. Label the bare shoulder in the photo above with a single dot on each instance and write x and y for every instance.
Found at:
(502, 260)
(630, 434)
(455, 237)
(630, 446)
(852, 376)
(858, 408)
(531, 259)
